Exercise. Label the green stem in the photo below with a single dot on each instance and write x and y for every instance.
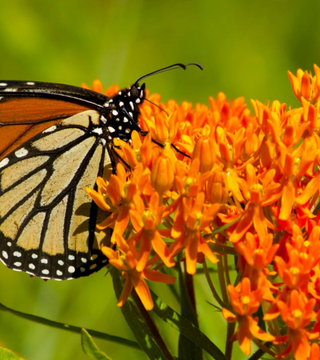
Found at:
(229, 344)
(187, 349)
(222, 283)
(210, 283)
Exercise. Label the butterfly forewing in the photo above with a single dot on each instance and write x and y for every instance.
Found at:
(31, 107)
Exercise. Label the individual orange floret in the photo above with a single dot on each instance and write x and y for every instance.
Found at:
(304, 85)
(125, 259)
(120, 190)
(245, 303)
(198, 216)
(145, 220)
(297, 313)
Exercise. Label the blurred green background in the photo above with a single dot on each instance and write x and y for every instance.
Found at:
(246, 48)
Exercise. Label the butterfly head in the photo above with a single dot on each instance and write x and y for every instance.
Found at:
(127, 101)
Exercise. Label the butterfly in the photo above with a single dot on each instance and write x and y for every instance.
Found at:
(55, 140)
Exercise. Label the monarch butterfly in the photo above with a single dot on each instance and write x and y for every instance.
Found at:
(54, 141)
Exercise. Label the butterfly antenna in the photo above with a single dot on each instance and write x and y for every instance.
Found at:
(168, 68)
(159, 107)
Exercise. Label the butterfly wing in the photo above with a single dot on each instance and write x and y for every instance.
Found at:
(51, 149)
(27, 108)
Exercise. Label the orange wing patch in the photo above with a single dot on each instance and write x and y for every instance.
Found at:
(23, 118)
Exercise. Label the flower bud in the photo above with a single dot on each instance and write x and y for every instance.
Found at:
(217, 188)
(204, 150)
(162, 174)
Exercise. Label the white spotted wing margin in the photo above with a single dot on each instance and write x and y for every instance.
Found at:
(47, 220)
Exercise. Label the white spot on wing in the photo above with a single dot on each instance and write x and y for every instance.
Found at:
(60, 262)
(11, 89)
(30, 83)
(121, 103)
(50, 129)
(115, 112)
(44, 261)
(17, 254)
(5, 254)
(111, 129)
(138, 101)
(17, 263)
(4, 162)
(125, 120)
(84, 260)
(3, 84)
(97, 131)
(131, 105)
(59, 272)
(32, 266)
(71, 257)
(45, 271)
(21, 152)
(71, 269)
(34, 256)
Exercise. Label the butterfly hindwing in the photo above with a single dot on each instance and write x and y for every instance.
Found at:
(49, 228)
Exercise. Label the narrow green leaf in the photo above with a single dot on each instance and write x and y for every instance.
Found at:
(167, 314)
(71, 328)
(90, 348)
(6, 354)
(188, 350)
(141, 323)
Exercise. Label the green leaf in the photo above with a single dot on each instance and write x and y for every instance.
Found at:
(90, 348)
(71, 328)
(188, 350)
(141, 323)
(6, 354)
(185, 327)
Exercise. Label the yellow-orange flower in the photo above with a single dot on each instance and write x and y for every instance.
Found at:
(125, 259)
(305, 85)
(196, 220)
(246, 302)
(145, 222)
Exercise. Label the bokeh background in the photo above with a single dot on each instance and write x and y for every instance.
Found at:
(245, 47)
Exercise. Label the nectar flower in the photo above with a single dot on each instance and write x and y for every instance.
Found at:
(124, 259)
(245, 302)
(304, 85)
(218, 179)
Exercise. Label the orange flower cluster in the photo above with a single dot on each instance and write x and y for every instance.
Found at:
(256, 177)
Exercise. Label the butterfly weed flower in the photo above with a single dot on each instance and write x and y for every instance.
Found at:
(211, 182)
(304, 85)
(245, 302)
(125, 259)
